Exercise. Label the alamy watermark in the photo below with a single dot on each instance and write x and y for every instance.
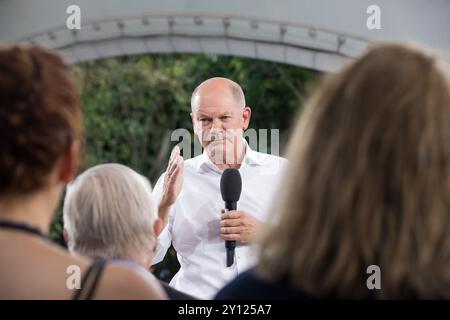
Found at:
(258, 140)
(73, 21)
(73, 281)
(374, 280)
(220, 145)
(373, 22)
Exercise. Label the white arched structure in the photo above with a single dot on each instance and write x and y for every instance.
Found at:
(319, 34)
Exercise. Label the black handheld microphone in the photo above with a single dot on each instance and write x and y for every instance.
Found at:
(230, 187)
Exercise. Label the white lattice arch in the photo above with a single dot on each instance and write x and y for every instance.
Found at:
(316, 34)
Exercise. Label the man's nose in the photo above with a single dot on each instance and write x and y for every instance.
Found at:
(216, 125)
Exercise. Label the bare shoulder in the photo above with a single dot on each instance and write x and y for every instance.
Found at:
(120, 282)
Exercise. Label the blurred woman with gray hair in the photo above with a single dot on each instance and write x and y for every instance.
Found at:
(109, 213)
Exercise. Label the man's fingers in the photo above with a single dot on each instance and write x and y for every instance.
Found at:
(169, 173)
(230, 223)
(174, 153)
(174, 175)
(231, 215)
(173, 156)
(235, 237)
(231, 230)
(180, 161)
(170, 166)
(176, 163)
(177, 169)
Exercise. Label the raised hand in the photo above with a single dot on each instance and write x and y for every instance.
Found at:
(173, 181)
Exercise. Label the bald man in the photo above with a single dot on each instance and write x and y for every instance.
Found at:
(190, 202)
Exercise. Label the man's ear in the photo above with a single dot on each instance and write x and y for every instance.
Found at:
(69, 162)
(246, 115)
(193, 122)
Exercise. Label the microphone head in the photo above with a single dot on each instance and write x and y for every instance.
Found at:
(231, 185)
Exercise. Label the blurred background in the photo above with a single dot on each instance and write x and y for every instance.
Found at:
(138, 61)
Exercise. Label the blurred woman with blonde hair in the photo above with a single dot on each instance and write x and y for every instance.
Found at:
(368, 184)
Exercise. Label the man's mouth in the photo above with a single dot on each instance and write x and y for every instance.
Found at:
(215, 139)
(215, 142)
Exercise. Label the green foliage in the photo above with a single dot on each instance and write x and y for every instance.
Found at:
(132, 104)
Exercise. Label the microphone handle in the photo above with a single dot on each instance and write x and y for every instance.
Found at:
(230, 244)
(230, 205)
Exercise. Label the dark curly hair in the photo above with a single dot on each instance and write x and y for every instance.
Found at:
(40, 115)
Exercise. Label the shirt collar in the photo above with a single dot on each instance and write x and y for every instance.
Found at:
(251, 157)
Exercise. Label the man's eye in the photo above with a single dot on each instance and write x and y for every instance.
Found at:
(203, 120)
(226, 117)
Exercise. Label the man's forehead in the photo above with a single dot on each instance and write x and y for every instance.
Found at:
(214, 92)
(214, 101)
(214, 110)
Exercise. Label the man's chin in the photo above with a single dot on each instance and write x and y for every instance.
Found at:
(216, 152)
(215, 148)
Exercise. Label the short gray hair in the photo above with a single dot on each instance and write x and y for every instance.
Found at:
(109, 212)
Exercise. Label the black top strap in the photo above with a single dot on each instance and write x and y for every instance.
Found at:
(19, 226)
(90, 280)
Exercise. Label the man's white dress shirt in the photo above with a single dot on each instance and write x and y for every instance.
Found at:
(194, 220)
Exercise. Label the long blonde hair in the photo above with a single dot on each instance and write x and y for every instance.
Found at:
(369, 182)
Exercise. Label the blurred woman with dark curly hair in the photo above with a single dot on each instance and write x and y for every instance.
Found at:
(40, 125)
